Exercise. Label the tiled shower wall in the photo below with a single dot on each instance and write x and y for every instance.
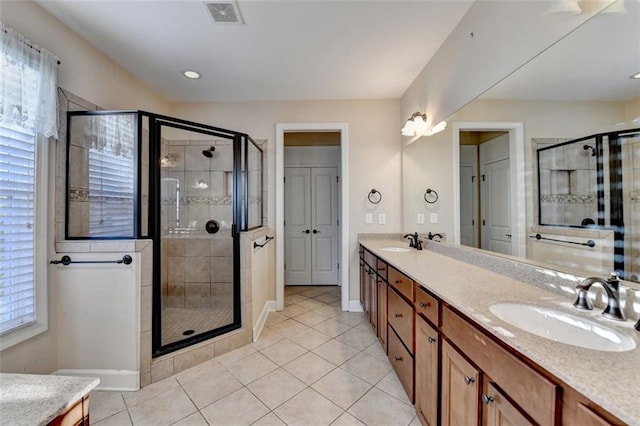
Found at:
(568, 186)
(631, 194)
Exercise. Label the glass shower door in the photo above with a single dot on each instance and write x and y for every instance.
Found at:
(199, 289)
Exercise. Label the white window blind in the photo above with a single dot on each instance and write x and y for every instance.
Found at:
(17, 218)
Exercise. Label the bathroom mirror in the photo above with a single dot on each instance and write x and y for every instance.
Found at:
(566, 93)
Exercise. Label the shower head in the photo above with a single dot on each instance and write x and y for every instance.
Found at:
(209, 152)
(593, 150)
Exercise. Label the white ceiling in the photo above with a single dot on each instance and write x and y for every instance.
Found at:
(595, 62)
(286, 50)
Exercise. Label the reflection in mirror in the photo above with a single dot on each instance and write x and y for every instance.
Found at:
(566, 93)
(568, 184)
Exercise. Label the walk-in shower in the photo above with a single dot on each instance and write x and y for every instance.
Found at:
(189, 187)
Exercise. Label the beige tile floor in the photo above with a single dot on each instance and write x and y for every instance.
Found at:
(313, 365)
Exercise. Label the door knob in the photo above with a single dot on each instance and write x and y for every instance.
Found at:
(306, 231)
(468, 380)
(431, 339)
(507, 235)
(315, 231)
(487, 399)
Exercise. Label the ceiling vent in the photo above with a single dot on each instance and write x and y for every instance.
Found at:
(224, 12)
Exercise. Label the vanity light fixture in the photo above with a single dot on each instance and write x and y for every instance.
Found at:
(636, 76)
(191, 74)
(416, 125)
(436, 129)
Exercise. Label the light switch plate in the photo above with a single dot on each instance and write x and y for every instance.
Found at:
(368, 218)
(420, 218)
(382, 218)
(434, 217)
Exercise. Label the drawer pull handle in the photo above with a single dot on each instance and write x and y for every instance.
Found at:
(397, 358)
(397, 315)
(431, 339)
(424, 305)
(468, 380)
(398, 282)
(487, 399)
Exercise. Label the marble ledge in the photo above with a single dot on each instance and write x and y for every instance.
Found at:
(473, 288)
(34, 399)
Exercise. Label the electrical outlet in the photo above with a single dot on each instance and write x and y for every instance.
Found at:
(420, 218)
(434, 218)
(368, 218)
(382, 218)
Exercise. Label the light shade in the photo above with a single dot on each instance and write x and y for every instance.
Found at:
(415, 125)
(193, 75)
(564, 7)
(436, 129)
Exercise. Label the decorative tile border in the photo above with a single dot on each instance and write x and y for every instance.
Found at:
(568, 198)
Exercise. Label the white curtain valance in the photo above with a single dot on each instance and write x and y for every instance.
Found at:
(27, 69)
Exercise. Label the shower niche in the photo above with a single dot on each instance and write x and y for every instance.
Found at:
(189, 187)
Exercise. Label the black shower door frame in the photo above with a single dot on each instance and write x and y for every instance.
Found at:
(155, 124)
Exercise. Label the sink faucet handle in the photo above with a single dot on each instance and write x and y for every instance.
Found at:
(583, 302)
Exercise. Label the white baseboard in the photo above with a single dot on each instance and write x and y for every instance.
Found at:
(111, 380)
(355, 306)
(269, 306)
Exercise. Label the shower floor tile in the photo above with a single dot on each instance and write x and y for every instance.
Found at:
(246, 386)
(175, 321)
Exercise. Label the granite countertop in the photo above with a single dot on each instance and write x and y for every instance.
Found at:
(34, 399)
(472, 289)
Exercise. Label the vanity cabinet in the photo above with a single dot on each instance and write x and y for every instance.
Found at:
(77, 415)
(456, 372)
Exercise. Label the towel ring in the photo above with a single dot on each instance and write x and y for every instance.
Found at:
(430, 196)
(374, 196)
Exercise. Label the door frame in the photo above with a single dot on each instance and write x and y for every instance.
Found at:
(343, 245)
(517, 172)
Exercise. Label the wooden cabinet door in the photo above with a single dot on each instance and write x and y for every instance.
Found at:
(460, 389)
(373, 303)
(382, 314)
(426, 371)
(501, 412)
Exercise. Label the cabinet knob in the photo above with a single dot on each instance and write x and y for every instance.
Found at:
(397, 315)
(397, 358)
(398, 281)
(487, 399)
(468, 380)
(424, 305)
(431, 339)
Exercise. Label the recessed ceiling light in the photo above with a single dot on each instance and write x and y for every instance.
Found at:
(636, 76)
(194, 75)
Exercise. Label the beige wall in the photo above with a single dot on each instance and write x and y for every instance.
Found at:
(374, 151)
(87, 73)
(429, 160)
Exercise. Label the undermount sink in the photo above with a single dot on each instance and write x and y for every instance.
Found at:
(395, 249)
(562, 327)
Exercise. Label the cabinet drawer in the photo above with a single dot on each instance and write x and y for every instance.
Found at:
(400, 316)
(426, 305)
(402, 362)
(401, 282)
(370, 258)
(536, 395)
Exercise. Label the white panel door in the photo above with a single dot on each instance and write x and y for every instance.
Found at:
(297, 225)
(469, 195)
(496, 207)
(311, 226)
(324, 222)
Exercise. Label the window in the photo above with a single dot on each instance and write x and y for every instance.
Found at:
(27, 118)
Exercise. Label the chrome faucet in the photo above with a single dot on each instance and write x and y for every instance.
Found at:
(414, 240)
(611, 286)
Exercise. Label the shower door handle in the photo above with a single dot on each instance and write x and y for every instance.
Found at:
(315, 231)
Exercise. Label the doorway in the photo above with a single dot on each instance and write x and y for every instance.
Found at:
(311, 225)
(342, 239)
(489, 185)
